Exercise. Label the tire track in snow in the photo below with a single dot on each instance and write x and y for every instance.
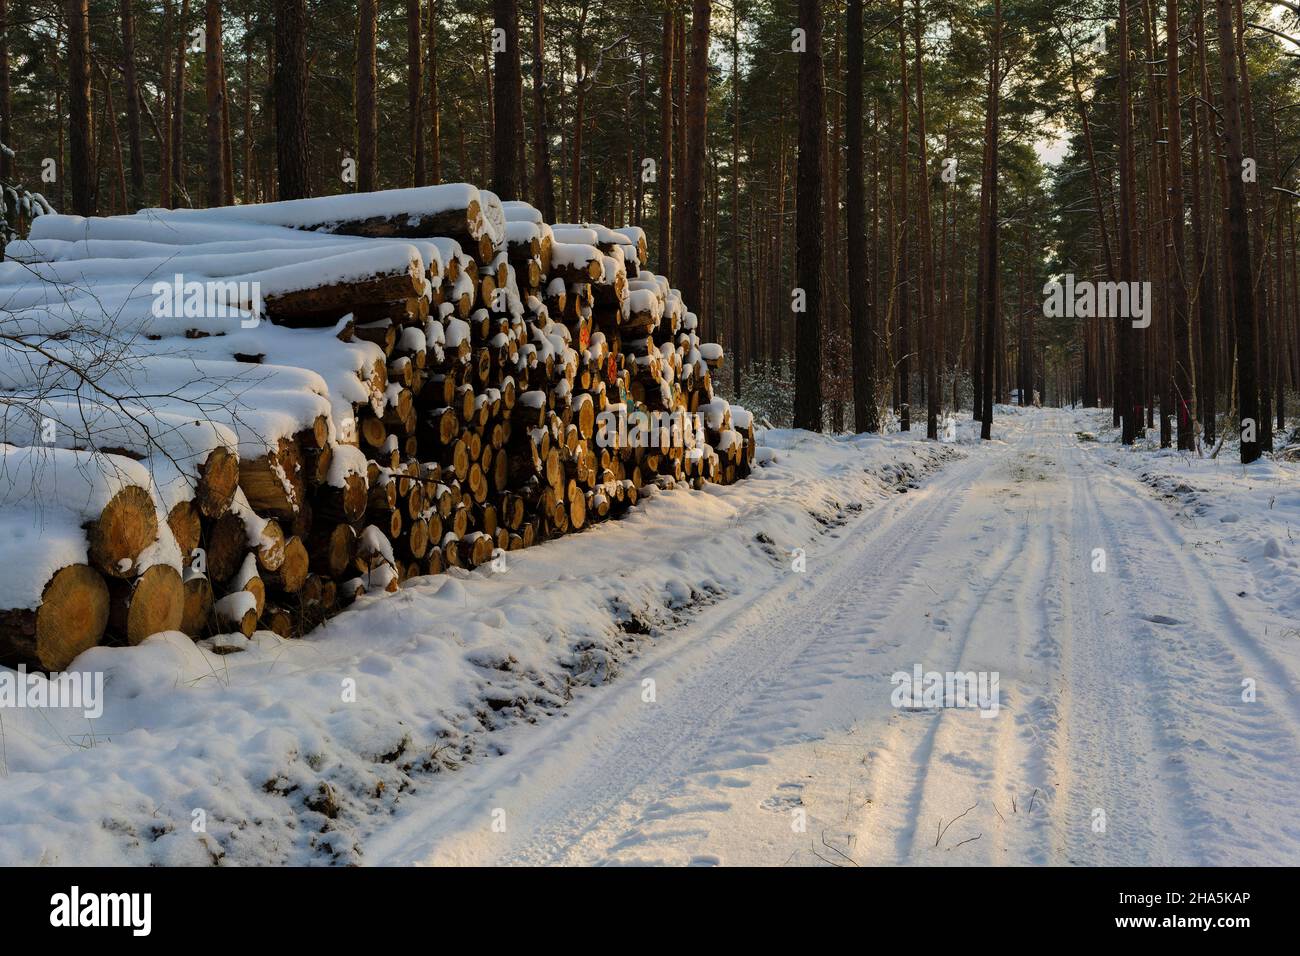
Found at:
(706, 674)
(1213, 744)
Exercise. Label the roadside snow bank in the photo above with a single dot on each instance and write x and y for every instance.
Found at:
(289, 751)
(1243, 519)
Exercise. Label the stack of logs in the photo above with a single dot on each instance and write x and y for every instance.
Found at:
(480, 431)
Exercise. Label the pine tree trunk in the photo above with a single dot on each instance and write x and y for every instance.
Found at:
(808, 225)
(691, 268)
(680, 170)
(80, 174)
(544, 182)
(132, 106)
(366, 107)
(227, 147)
(737, 336)
(435, 121)
(1203, 247)
(215, 96)
(1182, 355)
(665, 177)
(992, 291)
(865, 417)
(6, 106)
(1130, 409)
(928, 319)
(1239, 254)
(903, 285)
(415, 90)
(178, 190)
(167, 85)
(1259, 245)
(249, 179)
(505, 134)
(291, 98)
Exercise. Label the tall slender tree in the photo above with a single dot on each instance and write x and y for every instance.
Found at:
(1239, 252)
(665, 177)
(1130, 406)
(132, 91)
(215, 89)
(290, 89)
(435, 119)
(808, 223)
(506, 133)
(367, 109)
(861, 314)
(992, 305)
(543, 181)
(415, 90)
(691, 269)
(178, 189)
(1182, 351)
(1203, 246)
(6, 103)
(80, 172)
(903, 286)
(928, 319)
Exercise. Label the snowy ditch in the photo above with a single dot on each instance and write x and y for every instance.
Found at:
(291, 751)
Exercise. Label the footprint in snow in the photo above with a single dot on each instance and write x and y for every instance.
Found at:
(1161, 619)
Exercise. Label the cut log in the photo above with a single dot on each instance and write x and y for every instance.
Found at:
(218, 479)
(146, 605)
(273, 482)
(237, 611)
(71, 618)
(127, 525)
(292, 572)
(196, 617)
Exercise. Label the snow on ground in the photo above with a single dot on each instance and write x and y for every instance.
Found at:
(1121, 735)
(298, 751)
(669, 688)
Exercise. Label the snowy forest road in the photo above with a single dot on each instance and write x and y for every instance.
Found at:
(1121, 734)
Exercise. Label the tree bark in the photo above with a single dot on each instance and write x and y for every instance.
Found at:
(904, 238)
(737, 336)
(928, 319)
(808, 224)
(1203, 246)
(132, 106)
(1130, 406)
(506, 66)
(6, 108)
(865, 417)
(291, 98)
(435, 123)
(415, 90)
(215, 95)
(1239, 253)
(665, 177)
(177, 159)
(366, 107)
(80, 174)
(544, 182)
(1182, 356)
(691, 269)
(992, 288)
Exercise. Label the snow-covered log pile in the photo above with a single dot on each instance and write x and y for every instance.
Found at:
(238, 418)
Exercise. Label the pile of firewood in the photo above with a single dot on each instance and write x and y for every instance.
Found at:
(443, 377)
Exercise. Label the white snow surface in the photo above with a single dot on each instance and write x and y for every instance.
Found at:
(519, 694)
